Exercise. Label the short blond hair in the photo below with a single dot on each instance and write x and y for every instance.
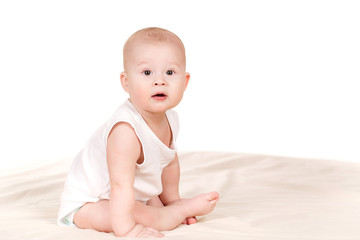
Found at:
(153, 35)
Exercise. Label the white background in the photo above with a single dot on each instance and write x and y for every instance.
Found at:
(267, 77)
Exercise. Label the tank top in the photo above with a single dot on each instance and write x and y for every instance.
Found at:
(88, 178)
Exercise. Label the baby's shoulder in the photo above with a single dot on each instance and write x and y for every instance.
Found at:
(124, 113)
(123, 131)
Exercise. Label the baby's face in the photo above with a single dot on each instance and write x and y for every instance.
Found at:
(155, 76)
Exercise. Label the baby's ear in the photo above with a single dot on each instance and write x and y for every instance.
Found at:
(187, 78)
(124, 81)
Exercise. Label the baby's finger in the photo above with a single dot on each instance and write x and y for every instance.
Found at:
(150, 232)
(146, 234)
(155, 232)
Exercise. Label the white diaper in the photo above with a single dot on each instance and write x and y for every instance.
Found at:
(69, 219)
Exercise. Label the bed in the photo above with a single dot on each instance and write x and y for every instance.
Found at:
(262, 197)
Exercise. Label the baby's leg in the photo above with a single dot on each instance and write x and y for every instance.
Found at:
(94, 216)
(169, 217)
(155, 202)
(97, 215)
(199, 205)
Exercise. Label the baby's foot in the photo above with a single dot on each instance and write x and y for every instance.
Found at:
(200, 205)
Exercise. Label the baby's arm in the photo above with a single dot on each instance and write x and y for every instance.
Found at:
(123, 150)
(170, 181)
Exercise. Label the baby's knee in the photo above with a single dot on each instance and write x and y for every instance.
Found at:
(155, 202)
(94, 216)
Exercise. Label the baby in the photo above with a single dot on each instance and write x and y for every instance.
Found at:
(126, 178)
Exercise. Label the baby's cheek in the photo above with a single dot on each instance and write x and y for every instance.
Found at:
(178, 96)
(140, 93)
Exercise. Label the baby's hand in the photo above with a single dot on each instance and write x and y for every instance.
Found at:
(140, 231)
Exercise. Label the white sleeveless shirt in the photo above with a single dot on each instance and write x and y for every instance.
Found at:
(88, 178)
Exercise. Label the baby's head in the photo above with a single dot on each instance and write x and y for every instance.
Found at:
(151, 35)
(154, 69)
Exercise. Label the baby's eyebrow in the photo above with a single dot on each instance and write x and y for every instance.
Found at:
(175, 63)
(142, 63)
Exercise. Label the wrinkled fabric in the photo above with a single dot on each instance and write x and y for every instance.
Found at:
(261, 198)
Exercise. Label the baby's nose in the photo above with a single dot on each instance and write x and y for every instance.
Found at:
(159, 81)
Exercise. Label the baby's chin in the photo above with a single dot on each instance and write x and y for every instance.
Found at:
(159, 108)
(162, 106)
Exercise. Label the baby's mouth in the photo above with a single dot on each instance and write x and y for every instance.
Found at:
(159, 96)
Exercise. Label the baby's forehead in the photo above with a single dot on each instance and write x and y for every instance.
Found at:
(158, 43)
(137, 51)
(168, 52)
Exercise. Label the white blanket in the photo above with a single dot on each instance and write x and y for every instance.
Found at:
(262, 197)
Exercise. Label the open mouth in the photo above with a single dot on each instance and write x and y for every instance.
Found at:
(159, 96)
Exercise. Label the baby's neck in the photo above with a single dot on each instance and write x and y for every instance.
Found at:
(151, 118)
(155, 121)
(160, 126)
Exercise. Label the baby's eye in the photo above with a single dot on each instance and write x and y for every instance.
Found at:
(170, 72)
(147, 72)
